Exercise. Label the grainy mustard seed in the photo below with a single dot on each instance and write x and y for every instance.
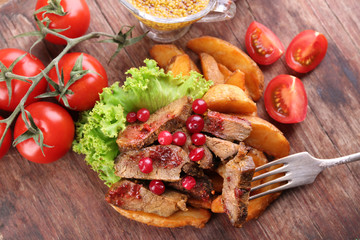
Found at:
(170, 8)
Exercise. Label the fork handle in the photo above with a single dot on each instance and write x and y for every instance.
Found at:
(325, 163)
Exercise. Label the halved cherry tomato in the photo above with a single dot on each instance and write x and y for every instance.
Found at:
(285, 99)
(306, 51)
(4, 147)
(263, 46)
(76, 21)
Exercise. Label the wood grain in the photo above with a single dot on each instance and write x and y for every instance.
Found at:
(65, 199)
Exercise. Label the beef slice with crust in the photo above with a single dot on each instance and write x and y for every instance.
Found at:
(167, 163)
(236, 188)
(201, 191)
(224, 149)
(226, 126)
(171, 117)
(134, 196)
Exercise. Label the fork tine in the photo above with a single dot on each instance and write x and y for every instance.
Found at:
(273, 163)
(274, 190)
(267, 174)
(276, 180)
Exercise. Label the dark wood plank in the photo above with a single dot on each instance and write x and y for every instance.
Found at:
(65, 200)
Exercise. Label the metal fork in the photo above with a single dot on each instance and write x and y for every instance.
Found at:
(300, 169)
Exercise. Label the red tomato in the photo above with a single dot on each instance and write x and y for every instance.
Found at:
(4, 148)
(29, 66)
(263, 46)
(285, 99)
(306, 51)
(77, 19)
(86, 90)
(58, 130)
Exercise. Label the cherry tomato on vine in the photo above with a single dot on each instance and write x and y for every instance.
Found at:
(306, 51)
(29, 66)
(285, 99)
(263, 46)
(57, 127)
(5, 146)
(76, 21)
(85, 90)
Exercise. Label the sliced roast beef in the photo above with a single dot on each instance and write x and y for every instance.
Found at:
(170, 118)
(137, 197)
(167, 163)
(192, 169)
(224, 149)
(207, 162)
(236, 188)
(225, 126)
(202, 190)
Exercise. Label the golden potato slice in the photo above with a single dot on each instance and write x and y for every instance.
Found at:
(196, 217)
(163, 53)
(227, 98)
(210, 69)
(179, 64)
(224, 70)
(199, 203)
(233, 58)
(266, 137)
(217, 206)
(237, 78)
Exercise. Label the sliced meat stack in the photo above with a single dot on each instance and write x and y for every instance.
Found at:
(224, 147)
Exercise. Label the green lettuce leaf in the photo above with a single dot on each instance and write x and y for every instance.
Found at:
(147, 87)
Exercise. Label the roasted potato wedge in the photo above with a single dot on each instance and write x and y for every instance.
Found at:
(179, 64)
(233, 58)
(196, 217)
(224, 70)
(217, 206)
(228, 98)
(199, 203)
(237, 78)
(163, 53)
(210, 69)
(266, 137)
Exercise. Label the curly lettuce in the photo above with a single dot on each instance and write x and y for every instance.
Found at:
(146, 87)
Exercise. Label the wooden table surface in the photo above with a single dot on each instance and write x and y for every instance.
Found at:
(65, 199)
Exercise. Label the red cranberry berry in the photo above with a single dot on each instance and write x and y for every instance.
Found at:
(165, 138)
(131, 117)
(143, 115)
(196, 154)
(188, 182)
(157, 187)
(179, 138)
(198, 139)
(195, 123)
(146, 165)
(199, 106)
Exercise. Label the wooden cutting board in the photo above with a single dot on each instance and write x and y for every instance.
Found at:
(65, 199)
